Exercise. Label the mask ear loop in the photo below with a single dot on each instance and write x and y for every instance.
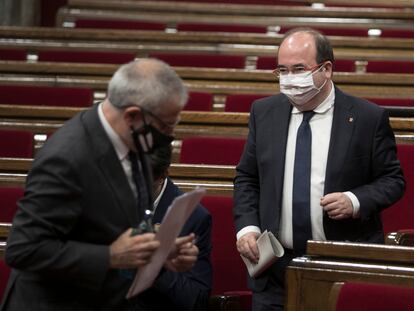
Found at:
(142, 135)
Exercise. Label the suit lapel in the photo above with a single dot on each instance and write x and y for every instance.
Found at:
(110, 166)
(341, 134)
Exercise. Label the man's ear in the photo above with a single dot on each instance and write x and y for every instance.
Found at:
(132, 115)
(328, 70)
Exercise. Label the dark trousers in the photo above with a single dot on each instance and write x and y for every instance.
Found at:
(272, 296)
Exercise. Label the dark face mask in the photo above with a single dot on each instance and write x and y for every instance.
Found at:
(150, 138)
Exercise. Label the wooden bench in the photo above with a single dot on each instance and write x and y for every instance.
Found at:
(45, 120)
(143, 42)
(219, 82)
(217, 179)
(244, 9)
(263, 15)
(328, 262)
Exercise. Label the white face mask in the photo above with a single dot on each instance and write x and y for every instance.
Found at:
(299, 87)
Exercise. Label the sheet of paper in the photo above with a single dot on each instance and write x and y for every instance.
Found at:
(171, 226)
(270, 250)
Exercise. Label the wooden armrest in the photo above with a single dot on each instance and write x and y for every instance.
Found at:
(225, 303)
(402, 238)
(239, 300)
(333, 295)
(2, 249)
(4, 230)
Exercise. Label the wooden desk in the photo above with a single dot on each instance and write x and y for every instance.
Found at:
(217, 179)
(263, 15)
(143, 42)
(310, 278)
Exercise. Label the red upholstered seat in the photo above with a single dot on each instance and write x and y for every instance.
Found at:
(241, 102)
(344, 65)
(199, 101)
(397, 33)
(4, 276)
(45, 96)
(374, 297)
(202, 60)
(118, 24)
(401, 215)
(9, 198)
(335, 31)
(395, 102)
(384, 66)
(221, 28)
(16, 144)
(211, 150)
(85, 57)
(229, 272)
(13, 54)
(266, 62)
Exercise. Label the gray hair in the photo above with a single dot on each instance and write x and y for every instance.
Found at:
(148, 83)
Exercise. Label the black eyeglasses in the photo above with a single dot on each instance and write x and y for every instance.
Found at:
(168, 127)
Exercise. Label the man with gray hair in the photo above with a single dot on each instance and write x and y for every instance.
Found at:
(73, 235)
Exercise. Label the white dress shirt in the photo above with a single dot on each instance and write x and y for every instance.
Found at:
(321, 124)
(120, 148)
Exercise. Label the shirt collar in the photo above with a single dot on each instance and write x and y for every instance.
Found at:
(158, 199)
(325, 105)
(120, 147)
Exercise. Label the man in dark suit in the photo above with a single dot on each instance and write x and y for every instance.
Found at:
(175, 290)
(72, 235)
(318, 164)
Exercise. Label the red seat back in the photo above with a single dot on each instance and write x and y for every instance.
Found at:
(229, 272)
(86, 57)
(199, 101)
(397, 33)
(16, 144)
(385, 66)
(401, 214)
(241, 102)
(211, 150)
(394, 102)
(8, 205)
(374, 297)
(118, 24)
(4, 276)
(13, 54)
(202, 60)
(266, 62)
(335, 31)
(45, 96)
(221, 28)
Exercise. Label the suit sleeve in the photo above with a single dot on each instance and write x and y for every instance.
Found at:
(40, 239)
(191, 290)
(388, 182)
(246, 183)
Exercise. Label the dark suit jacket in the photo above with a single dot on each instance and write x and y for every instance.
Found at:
(188, 290)
(77, 202)
(362, 159)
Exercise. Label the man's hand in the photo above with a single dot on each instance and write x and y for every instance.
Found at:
(337, 205)
(184, 255)
(247, 246)
(132, 251)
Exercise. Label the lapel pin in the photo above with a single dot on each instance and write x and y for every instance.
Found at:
(351, 119)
